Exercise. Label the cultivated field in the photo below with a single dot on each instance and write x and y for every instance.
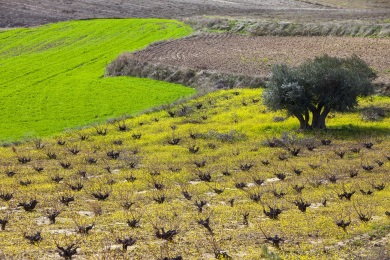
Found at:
(212, 178)
(205, 176)
(18, 13)
(51, 77)
(255, 56)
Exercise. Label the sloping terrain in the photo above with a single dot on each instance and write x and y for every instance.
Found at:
(255, 56)
(51, 77)
(18, 13)
(215, 176)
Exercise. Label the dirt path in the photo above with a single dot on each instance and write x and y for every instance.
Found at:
(255, 56)
(18, 13)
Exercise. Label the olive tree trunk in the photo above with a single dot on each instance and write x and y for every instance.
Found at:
(319, 118)
(304, 120)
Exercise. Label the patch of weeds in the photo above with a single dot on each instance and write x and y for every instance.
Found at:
(374, 113)
(230, 137)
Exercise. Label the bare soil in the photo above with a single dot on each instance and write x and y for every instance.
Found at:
(21, 13)
(255, 56)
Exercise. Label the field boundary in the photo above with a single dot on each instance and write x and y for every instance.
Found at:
(281, 28)
(202, 80)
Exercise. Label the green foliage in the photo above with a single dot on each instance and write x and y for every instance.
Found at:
(51, 77)
(318, 87)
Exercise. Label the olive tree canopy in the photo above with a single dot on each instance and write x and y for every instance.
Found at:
(318, 86)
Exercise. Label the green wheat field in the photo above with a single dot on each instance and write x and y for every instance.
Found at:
(51, 77)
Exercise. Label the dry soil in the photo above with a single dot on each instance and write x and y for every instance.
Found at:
(17, 13)
(255, 56)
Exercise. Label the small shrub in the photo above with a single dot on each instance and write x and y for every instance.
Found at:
(38, 168)
(294, 151)
(343, 224)
(200, 204)
(67, 252)
(240, 185)
(3, 223)
(10, 173)
(298, 188)
(256, 197)
(136, 136)
(35, 238)
(101, 131)
(74, 150)
(25, 182)
(166, 235)
(6, 196)
(346, 195)
(57, 178)
(204, 176)
(65, 199)
(302, 205)
(84, 230)
(230, 137)
(272, 213)
(373, 113)
(174, 141)
(184, 111)
(24, 159)
(51, 155)
(278, 118)
(193, 149)
(99, 195)
(122, 127)
(52, 215)
(91, 160)
(65, 165)
(61, 142)
(126, 242)
(28, 206)
(246, 166)
(206, 224)
(118, 142)
(133, 223)
(160, 199)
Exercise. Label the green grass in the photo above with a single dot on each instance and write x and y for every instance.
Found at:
(51, 77)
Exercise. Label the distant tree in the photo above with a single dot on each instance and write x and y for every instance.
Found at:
(317, 87)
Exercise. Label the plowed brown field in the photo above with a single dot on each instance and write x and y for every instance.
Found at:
(255, 56)
(32, 12)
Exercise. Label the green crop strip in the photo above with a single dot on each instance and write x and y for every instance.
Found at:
(51, 77)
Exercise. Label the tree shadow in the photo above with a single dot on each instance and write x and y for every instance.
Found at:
(350, 131)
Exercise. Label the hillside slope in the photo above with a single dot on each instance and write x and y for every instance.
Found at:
(208, 172)
(51, 77)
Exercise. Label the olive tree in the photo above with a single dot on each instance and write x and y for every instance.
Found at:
(316, 87)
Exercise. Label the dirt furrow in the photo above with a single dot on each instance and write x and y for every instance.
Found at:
(208, 61)
(256, 55)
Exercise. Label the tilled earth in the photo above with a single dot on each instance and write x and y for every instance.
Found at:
(255, 56)
(19, 13)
